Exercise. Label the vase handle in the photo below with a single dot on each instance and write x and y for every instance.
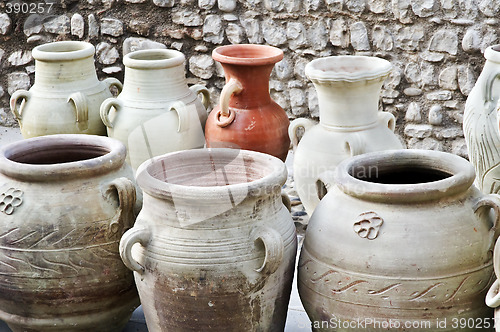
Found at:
(285, 199)
(80, 103)
(273, 246)
(202, 91)
(182, 114)
(295, 125)
(493, 295)
(131, 237)
(106, 107)
(388, 118)
(24, 95)
(354, 145)
(111, 81)
(124, 217)
(491, 201)
(225, 116)
(324, 182)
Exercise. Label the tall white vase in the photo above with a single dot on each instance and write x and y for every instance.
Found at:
(348, 90)
(156, 112)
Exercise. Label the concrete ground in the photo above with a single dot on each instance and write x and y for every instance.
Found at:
(297, 320)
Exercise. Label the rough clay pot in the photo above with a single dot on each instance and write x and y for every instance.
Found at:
(156, 112)
(481, 123)
(246, 117)
(66, 96)
(402, 236)
(65, 201)
(350, 124)
(217, 246)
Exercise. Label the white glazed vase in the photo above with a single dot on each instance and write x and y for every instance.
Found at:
(156, 112)
(481, 123)
(401, 236)
(350, 124)
(214, 247)
(66, 95)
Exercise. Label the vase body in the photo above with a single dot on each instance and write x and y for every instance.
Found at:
(412, 239)
(481, 123)
(65, 202)
(246, 117)
(217, 246)
(156, 112)
(348, 90)
(66, 95)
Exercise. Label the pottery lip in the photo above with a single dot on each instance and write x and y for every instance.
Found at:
(247, 54)
(153, 59)
(104, 154)
(269, 183)
(460, 176)
(336, 68)
(67, 50)
(492, 53)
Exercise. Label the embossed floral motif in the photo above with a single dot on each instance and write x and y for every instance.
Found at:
(368, 225)
(10, 199)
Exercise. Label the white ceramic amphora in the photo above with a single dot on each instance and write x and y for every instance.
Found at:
(156, 112)
(350, 124)
(66, 95)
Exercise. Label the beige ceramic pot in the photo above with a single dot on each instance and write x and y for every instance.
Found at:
(481, 123)
(402, 237)
(215, 246)
(65, 201)
(66, 96)
(350, 124)
(156, 112)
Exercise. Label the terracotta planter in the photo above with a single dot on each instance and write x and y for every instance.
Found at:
(156, 112)
(481, 124)
(246, 117)
(412, 239)
(350, 124)
(66, 96)
(217, 245)
(65, 201)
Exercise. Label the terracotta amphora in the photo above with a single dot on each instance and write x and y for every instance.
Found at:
(214, 247)
(246, 117)
(66, 95)
(156, 112)
(350, 122)
(65, 201)
(481, 123)
(402, 241)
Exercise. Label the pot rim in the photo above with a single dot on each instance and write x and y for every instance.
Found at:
(492, 53)
(374, 68)
(269, 183)
(460, 180)
(166, 58)
(241, 54)
(113, 157)
(66, 50)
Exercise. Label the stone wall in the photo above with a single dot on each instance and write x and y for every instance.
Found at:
(435, 46)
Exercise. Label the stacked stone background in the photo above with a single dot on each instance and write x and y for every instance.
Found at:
(435, 47)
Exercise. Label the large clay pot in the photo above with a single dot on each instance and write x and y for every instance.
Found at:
(66, 96)
(65, 201)
(403, 236)
(156, 112)
(350, 124)
(246, 117)
(481, 124)
(217, 245)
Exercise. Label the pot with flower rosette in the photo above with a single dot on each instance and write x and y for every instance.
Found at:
(412, 239)
(66, 95)
(65, 201)
(246, 117)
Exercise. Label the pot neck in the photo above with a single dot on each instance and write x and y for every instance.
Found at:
(56, 75)
(155, 83)
(348, 104)
(255, 83)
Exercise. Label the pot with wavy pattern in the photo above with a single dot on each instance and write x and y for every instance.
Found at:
(217, 245)
(401, 236)
(65, 201)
